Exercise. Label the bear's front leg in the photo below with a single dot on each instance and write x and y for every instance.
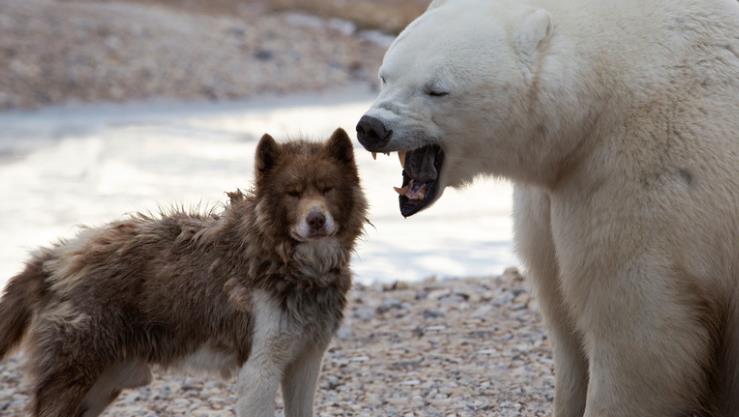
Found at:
(533, 234)
(647, 342)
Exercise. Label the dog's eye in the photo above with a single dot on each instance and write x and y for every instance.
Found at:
(382, 78)
(295, 194)
(326, 190)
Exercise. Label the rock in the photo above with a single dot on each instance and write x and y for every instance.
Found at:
(364, 313)
(439, 293)
(263, 55)
(430, 314)
(344, 332)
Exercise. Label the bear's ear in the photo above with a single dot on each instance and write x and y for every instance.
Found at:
(340, 147)
(268, 152)
(535, 28)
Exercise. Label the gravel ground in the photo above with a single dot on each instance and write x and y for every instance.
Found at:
(54, 51)
(472, 347)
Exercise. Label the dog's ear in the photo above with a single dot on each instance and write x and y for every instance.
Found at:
(268, 152)
(340, 147)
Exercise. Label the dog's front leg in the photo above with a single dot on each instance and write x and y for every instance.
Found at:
(258, 383)
(299, 382)
(274, 345)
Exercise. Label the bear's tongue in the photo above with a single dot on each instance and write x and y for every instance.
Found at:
(419, 172)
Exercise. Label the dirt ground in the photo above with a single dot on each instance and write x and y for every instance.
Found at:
(390, 16)
(61, 51)
(387, 15)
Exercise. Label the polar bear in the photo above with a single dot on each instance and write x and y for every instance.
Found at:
(618, 123)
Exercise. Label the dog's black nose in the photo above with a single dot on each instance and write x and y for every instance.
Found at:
(372, 133)
(316, 220)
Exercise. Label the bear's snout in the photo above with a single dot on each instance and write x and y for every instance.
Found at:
(372, 133)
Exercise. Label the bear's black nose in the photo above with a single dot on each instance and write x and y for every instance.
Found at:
(372, 133)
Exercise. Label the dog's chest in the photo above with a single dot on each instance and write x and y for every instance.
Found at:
(319, 259)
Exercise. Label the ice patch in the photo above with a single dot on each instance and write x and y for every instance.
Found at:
(92, 164)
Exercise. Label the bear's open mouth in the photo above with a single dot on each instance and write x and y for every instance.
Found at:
(421, 172)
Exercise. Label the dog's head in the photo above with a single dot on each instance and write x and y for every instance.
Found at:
(310, 190)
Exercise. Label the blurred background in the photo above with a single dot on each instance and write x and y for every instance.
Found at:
(112, 106)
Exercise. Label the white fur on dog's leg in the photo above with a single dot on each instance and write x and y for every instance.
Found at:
(299, 382)
(275, 344)
(258, 385)
(535, 245)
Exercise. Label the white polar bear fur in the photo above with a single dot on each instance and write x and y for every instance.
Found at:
(618, 122)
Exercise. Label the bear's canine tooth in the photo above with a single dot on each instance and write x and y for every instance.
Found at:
(374, 156)
(401, 157)
(402, 191)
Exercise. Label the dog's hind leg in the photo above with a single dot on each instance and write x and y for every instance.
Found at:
(60, 393)
(535, 245)
(62, 360)
(110, 383)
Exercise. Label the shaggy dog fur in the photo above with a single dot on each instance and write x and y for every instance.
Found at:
(260, 286)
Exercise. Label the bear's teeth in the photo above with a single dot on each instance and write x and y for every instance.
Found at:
(401, 157)
(401, 191)
(412, 191)
(374, 156)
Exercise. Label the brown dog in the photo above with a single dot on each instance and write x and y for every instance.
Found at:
(260, 287)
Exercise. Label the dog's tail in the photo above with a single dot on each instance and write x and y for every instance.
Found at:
(23, 293)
